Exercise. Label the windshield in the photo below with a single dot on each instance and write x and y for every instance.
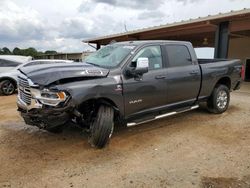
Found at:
(109, 56)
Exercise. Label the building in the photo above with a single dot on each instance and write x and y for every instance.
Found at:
(228, 33)
(66, 56)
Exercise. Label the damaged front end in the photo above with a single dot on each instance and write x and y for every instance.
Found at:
(45, 118)
(43, 95)
(42, 108)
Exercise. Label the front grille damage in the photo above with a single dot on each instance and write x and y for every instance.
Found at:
(24, 90)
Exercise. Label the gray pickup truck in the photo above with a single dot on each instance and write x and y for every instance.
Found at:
(125, 83)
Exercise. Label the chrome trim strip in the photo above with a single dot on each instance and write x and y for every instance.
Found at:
(162, 116)
(165, 115)
(195, 107)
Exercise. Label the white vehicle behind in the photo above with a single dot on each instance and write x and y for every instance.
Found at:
(7, 62)
(9, 72)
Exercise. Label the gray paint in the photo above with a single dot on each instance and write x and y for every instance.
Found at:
(46, 74)
(179, 87)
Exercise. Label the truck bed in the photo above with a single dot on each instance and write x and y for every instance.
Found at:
(213, 69)
(204, 61)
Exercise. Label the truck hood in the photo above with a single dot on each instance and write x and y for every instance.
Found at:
(46, 74)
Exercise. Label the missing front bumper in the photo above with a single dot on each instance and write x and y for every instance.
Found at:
(45, 118)
(45, 121)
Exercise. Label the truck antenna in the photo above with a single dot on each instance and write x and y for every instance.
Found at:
(125, 27)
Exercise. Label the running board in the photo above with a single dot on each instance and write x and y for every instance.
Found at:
(162, 116)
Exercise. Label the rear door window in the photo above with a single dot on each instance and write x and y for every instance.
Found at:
(178, 55)
(7, 63)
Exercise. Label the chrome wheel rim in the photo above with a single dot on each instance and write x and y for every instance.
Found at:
(222, 99)
(8, 88)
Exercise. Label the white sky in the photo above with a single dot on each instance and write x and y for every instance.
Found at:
(62, 24)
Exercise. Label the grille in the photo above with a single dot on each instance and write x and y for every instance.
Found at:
(24, 90)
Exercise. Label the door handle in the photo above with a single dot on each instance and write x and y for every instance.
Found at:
(160, 77)
(194, 72)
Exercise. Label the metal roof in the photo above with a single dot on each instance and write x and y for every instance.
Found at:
(183, 22)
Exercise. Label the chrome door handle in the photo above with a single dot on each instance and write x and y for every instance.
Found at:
(194, 73)
(160, 77)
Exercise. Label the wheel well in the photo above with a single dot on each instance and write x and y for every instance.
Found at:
(91, 105)
(10, 79)
(224, 81)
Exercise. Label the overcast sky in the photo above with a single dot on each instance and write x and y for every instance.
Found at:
(62, 24)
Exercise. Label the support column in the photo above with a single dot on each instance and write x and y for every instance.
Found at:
(222, 40)
(98, 46)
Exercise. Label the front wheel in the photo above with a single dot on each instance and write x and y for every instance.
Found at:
(102, 127)
(219, 100)
(7, 87)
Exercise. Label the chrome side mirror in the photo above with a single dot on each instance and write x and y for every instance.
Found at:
(141, 67)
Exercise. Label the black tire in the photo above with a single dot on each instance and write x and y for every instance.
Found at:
(7, 87)
(102, 127)
(55, 130)
(219, 100)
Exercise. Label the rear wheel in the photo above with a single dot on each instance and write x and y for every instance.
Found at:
(102, 127)
(7, 87)
(219, 100)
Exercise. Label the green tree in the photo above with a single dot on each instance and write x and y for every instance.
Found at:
(25, 52)
(50, 52)
(6, 51)
(16, 51)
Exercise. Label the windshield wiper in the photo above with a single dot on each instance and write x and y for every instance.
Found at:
(93, 64)
(105, 55)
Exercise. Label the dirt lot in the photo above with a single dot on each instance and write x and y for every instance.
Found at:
(195, 149)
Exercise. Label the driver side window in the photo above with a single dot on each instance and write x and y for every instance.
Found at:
(153, 53)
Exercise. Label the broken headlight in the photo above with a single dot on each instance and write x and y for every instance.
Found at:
(51, 98)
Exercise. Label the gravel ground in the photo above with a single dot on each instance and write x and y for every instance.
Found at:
(193, 149)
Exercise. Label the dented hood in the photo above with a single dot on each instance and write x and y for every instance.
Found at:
(46, 74)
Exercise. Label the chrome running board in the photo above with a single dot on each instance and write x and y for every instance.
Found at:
(162, 116)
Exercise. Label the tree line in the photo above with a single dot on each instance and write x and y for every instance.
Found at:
(24, 52)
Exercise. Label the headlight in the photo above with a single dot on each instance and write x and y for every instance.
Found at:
(51, 98)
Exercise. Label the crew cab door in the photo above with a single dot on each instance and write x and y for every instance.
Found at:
(148, 92)
(183, 75)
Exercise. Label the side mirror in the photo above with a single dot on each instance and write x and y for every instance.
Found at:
(141, 68)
